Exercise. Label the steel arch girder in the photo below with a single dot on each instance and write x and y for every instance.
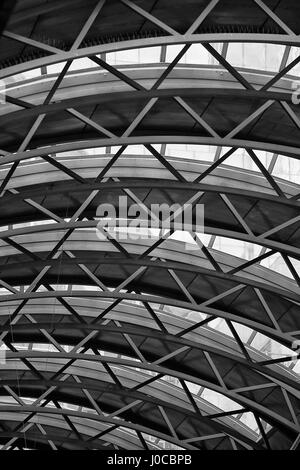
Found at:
(62, 56)
(101, 386)
(93, 417)
(283, 380)
(228, 140)
(271, 244)
(151, 139)
(268, 331)
(246, 402)
(40, 442)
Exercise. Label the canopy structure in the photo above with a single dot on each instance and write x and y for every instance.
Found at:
(181, 339)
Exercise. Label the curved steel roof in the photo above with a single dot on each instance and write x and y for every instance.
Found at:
(112, 343)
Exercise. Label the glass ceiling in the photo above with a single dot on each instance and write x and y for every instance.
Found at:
(246, 251)
(248, 57)
(260, 57)
(221, 402)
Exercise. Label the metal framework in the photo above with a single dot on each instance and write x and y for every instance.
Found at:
(112, 344)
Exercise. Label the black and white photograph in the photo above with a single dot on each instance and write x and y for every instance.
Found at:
(150, 229)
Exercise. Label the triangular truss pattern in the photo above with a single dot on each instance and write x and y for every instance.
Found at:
(175, 341)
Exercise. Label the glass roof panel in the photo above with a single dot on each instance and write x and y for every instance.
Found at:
(255, 56)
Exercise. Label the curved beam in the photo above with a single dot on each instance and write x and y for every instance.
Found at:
(36, 440)
(91, 432)
(244, 401)
(288, 381)
(254, 325)
(89, 309)
(148, 140)
(287, 288)
(63, 56)
(121, 99)
(30, 176)
(261, 386)
(120, 96)
(60, 226)
(250, 184)
(102, 419)
(32, 389)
